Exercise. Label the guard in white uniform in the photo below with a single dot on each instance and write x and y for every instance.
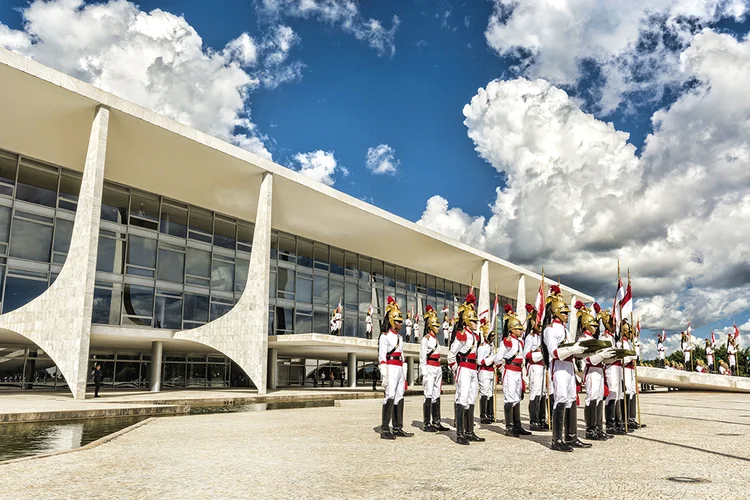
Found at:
(630, 386)
(532, 353)
(486, 375)
(407, 324)
(710, 356)
(462, 359)
(391, 359)
(593, 375)
(510, 355)
(432, 374)
(336, 322)
(612, 376)
(661, 351)
(732, 354)
(368, 323)
(562, 358)
(446, 330)
(686, 347)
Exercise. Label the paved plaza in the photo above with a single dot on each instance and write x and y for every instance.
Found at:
(337, 452)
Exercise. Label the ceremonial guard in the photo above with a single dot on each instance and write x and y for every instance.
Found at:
(336, 322)
(532, 353)
(562, 361)
(732, 355)
(486, 375)
(661, 351)
(510, 355)
(710, 356)
(407, 324)
(627, 333)
(391, 359)
(462, 359)
(446, 329)
(686, 347)
(432, 374)
(593, 375)
(368, 323)
(612, 376)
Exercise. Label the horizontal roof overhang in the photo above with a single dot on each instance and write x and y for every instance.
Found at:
(47, 115)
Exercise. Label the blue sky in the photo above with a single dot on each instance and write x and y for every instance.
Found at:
(577, 198)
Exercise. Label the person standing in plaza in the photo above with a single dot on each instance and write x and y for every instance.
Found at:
(532, 352)
(686, 347)
(612, 377)
(510, 355)
(98, 379)
(661, 350)
(626, 330)
(562, 360)
(710, 355)
(732, 355)
(593, 375)
(462, 359)
(432, 374)
(486, 375)
(391, 361)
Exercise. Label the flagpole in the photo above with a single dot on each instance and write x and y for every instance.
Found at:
(494, 370)
(622, 344)
(635, 365)
(546, 370)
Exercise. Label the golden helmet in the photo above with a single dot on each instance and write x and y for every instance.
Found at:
(511, 321)
(393, 313)
(484, 328)
(603, 316)
(558, 307)
(585, 319)
(625, 329)
(467, 311)
(431, 320)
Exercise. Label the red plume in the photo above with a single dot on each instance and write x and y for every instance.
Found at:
(483, 321)
(597, 308)
(429, 308)
(529, 308)
(555, 289)
(579, 305)
(470, 299)
(390, 300)
(508, 308)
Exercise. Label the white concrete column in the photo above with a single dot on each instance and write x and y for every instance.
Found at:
(484, 291)
(410, 371)
(242, 333)
(157, 354)
(351, 359)
(273, 368)
(572, 320)
(59, 320)
(521, 299)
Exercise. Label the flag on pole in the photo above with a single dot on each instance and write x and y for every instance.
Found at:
(627, 302)
(689, 330)
(616, 305)
(638, 327)
(713, 338)
(736, 333)
(445, 310)
(495, 312)
(663, 336)
(539, 304)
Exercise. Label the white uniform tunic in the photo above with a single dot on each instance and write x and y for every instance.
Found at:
(535, 369)
(661, 350)
(710, 355)
(685, 344)
(563, 371)
(390, 353)
(446, 332)
(593, 377)
(368, 325)
(613, 370)
(407, 324)
(486, 375)
(429, 365)
(629, 362)
(510, 352)
(732, 352)
(463, 358)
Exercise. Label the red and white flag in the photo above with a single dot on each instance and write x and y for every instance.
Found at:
(736, 333)
(495, 312)
(689, 330)
(539, 304)
(663, 335)
(445, 310)
(713, 338)
(638, 327)
(627, 303)
(619, 295)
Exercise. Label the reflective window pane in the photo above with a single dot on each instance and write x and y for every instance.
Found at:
(222, 276)
(320, 322)
(31, 240)
(171, 265)
(168, 313)
(196, 307)
(304, 289)
(110, 255)
(285, 280)
(335, 293)
(219, 309)
(106, 306)
(173, 220)
(4, 223)
(8, 164)
(144, 209)
(138, 301)
(21, 291)
(198, 262)
(240, 278)
(284, 320)
(63, 232)
(201, 224)
(37, 184)
(304, 253)
(114, 203)
(303, 324)
(320, 289)
(287, 250)
(141, 251)
(245, 237)
(337, 261)
(70, 186)
(224, 233)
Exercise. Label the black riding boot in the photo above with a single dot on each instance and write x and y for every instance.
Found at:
(589, 413)
(427, 416)
(558, 421)
(386, 415)
(598, 421)
(470, 426)
(491, 409)
(632, 413)
(571, 432)
(542, 408)
(517, 421)
(619, 416)
(611, 416)
(460, 426)
(398, 421)
(483, 410)
(533, 415)
(436, 424)
(510, 429)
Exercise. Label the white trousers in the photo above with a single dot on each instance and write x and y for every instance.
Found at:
(630, 381)
(432, 381)
(594, 385)
(536, 381)
(710, 360)
(396, 384)
(687, 356)
(512, 386)
(486, 381)
(614, 383)
(466, 386)
(564, 383)
(732, 360)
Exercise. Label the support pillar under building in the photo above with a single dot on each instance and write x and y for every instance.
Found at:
(351, 359)
(273, 368)
(157, 355)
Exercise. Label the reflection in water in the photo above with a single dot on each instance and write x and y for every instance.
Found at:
(38, 438)
(202, 410)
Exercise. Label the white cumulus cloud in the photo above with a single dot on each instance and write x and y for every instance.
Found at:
(382, 160)
(319, 166)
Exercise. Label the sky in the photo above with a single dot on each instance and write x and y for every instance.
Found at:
(564, 134)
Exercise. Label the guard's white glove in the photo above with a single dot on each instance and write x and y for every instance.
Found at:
(384, 375)
(537, 356)
(607, 353)
(566, 352)
(628, 359)
(600, 356)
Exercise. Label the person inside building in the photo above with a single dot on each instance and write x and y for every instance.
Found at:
(486, 375)
(510, 356)
(432, 373)
(462, 359)
(535, 369)
(391, 361)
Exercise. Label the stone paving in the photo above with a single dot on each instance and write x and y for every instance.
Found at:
(336, 452)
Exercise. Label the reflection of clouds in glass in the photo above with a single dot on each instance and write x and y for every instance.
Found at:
(222, 276)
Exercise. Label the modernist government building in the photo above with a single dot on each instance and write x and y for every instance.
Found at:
(175, 259)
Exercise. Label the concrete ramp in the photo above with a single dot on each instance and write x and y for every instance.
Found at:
(692, 380)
